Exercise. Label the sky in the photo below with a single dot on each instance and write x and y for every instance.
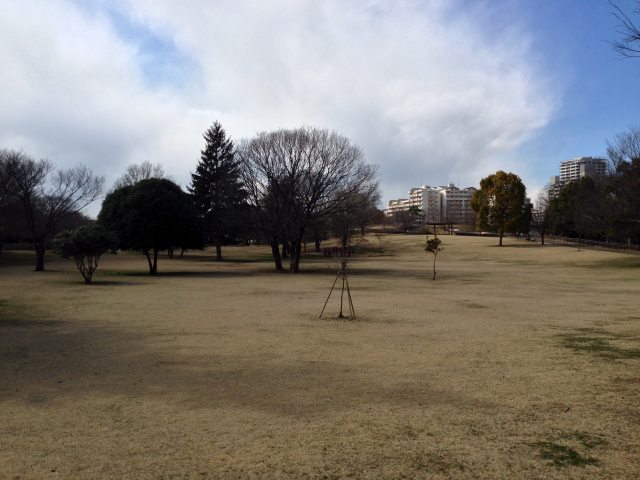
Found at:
(432, 91)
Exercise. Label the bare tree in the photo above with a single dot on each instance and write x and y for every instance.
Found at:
(381, 243)
(48, 196)
(540, 213)
(624, 183)
(4, 178)
(5, 197)
(406, 219)
(354, 213)
(306, 174)
(368, 206)
(624, 149)
(629, 44)
(136, 172)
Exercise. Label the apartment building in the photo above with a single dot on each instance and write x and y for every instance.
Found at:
(456, 205)
(441, 204)
(575, 169)
(580, 167)
(428, 200)
(398, 205)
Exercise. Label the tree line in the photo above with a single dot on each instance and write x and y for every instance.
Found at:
(599, 208)
(284, 188)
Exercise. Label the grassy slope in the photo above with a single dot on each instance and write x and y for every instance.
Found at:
(515, 363)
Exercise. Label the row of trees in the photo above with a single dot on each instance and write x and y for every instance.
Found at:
(285, 188)
(37, 200)
(599, 208)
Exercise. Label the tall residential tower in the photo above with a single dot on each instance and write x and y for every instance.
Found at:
(575, 169)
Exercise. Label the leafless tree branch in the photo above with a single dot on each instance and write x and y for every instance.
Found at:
(629, 44)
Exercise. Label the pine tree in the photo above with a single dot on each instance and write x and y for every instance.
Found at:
(215, 187)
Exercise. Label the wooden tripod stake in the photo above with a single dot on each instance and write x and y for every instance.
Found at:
(342, 274)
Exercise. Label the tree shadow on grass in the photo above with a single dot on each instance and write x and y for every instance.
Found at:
(46, 359)
(112, 283)
(227, 260)
(528, 245)
(631, 261)
(194, 273)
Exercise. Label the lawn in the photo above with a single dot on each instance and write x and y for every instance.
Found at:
(517, 362)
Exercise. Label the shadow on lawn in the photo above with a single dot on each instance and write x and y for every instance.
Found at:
(210, 259)
(43, 359)
(193, 273)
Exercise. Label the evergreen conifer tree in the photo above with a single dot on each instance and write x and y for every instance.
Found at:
(216, 188)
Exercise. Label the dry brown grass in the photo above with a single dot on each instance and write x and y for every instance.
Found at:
(517, 362)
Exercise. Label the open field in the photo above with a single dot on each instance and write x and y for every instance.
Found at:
(517, 362)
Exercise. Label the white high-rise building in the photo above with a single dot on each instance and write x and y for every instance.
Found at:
(581, 167)
(428, 200)
(398, 205)
(457, 204)
(442, 204)
(575, 169)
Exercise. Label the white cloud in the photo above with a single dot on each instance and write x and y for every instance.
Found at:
(429, 91)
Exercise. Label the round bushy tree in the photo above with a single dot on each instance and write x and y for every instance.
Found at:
(150, 216)
(85, 246)
(500, 204)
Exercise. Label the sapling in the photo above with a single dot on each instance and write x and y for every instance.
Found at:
(433, 246)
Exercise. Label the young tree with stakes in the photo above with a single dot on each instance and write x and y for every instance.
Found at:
(341, 256)
(216, 188)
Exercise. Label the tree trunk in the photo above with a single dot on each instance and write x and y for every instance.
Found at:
(296, 252)
(170, 252)
(153, 264)
(434, 267)
(542, 236)
(275, 251)
(146, 254)
(218, 249)
(182, 252)
(362, 227)
(40, 251)
(344, 241)
(154, 271)
(0, 248)
(501, 234)
(317, 244)
(285, 249)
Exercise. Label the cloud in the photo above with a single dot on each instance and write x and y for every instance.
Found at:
(429, 90)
